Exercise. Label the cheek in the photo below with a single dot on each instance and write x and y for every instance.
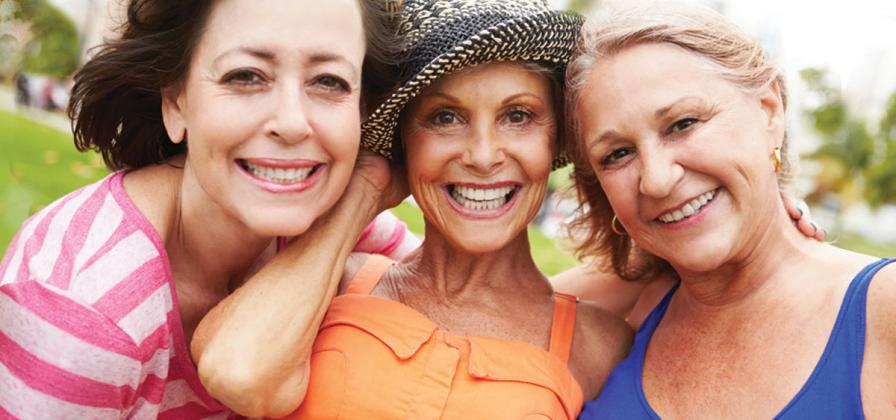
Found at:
(621, 189)
(340, 136)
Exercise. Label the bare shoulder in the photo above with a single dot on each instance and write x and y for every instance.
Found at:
(154, 190)
(601, 341)
(882, 305)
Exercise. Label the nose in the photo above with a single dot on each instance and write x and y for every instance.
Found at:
(290, 120)
(660, 171)
(484, 150)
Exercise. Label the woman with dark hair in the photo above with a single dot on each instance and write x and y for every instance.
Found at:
(229, 125)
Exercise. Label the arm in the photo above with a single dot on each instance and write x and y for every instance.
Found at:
(387, 235)
(59, 358)
(253, 349)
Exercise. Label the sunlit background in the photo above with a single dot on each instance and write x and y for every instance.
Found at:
(839, 58)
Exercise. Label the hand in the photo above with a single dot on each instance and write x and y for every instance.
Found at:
(802, 219)
(375, 175)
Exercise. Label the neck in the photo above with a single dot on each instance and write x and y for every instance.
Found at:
(769, 257)
(214, 250)
(453, 272)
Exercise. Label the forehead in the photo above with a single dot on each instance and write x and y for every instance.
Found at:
(332, 26)
(645, 77)
(493, 79)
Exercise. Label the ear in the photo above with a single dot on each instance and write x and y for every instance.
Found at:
(173, 114)
(772, 103)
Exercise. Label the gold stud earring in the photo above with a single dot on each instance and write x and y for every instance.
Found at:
(618, 231)
(776, 158)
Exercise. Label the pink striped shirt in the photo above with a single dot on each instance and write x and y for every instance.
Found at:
(89, 322)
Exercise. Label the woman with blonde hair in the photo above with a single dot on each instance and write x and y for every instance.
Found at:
(682, 151)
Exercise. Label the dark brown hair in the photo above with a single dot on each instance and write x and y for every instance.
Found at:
(116, 103)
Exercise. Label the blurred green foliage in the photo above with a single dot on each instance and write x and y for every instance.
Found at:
(857, 163)
(53, 49)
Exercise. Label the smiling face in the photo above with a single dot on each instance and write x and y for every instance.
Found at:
(479, 146)
(271, 111)
(682, 154)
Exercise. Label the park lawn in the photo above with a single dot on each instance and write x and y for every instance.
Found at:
(38, 165)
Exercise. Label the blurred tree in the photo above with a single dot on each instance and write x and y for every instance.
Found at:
(53, 49)
(855, 163)
(881, 182)
(582, 6)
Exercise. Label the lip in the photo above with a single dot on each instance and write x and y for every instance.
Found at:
(277, 188)
(483, 214)
(694, 219)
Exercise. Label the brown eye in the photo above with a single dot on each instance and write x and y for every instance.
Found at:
(243, 77)
(616, 155)
(445, 118)
(518, 116)
(682, 124)
(332, 83)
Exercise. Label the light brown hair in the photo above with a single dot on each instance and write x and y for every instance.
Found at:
(726, 50)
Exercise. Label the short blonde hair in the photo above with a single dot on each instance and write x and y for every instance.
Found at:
(727, 51)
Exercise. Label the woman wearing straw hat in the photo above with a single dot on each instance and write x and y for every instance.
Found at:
(467, 327)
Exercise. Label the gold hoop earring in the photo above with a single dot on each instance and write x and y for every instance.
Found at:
(776, 158)
(613, 222)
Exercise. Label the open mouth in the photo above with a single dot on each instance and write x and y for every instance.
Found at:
(688, 210)
(278, 175)
(481, 199)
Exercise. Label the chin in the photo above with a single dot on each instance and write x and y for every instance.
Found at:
(698, 261)
(280, 223)
(481, 242)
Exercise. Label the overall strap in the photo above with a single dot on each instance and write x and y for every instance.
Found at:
(563, 325)
(369, 275)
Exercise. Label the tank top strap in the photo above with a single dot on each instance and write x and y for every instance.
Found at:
(563, 325)
(369, 275)
(854, 309)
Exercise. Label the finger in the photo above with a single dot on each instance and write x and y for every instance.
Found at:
(821, 234)
(790, 206)
(807, 227)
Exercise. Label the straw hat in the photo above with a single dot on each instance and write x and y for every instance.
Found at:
(444, 36)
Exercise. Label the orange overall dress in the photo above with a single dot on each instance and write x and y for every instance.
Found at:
(376, 358)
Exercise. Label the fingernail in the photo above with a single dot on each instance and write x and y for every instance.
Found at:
(801, 212)
(814, 228)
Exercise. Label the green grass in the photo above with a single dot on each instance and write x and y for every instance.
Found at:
(546, 254)
(38, 165)
(856, 243)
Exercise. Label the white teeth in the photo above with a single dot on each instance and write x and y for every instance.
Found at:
(688, 209)
(480, 198)
(280, 175)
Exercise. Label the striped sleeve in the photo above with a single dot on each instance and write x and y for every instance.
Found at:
(60, 358)
(387, 235)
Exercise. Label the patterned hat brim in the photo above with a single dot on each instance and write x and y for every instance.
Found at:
(548, 36)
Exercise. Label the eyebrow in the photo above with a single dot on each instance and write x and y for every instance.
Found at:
(438, 94)
(263, 54)
(268, 55)
(659, 114)
(514, 97)
(666, 110)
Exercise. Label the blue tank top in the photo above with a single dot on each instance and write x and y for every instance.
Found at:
(832, 390)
